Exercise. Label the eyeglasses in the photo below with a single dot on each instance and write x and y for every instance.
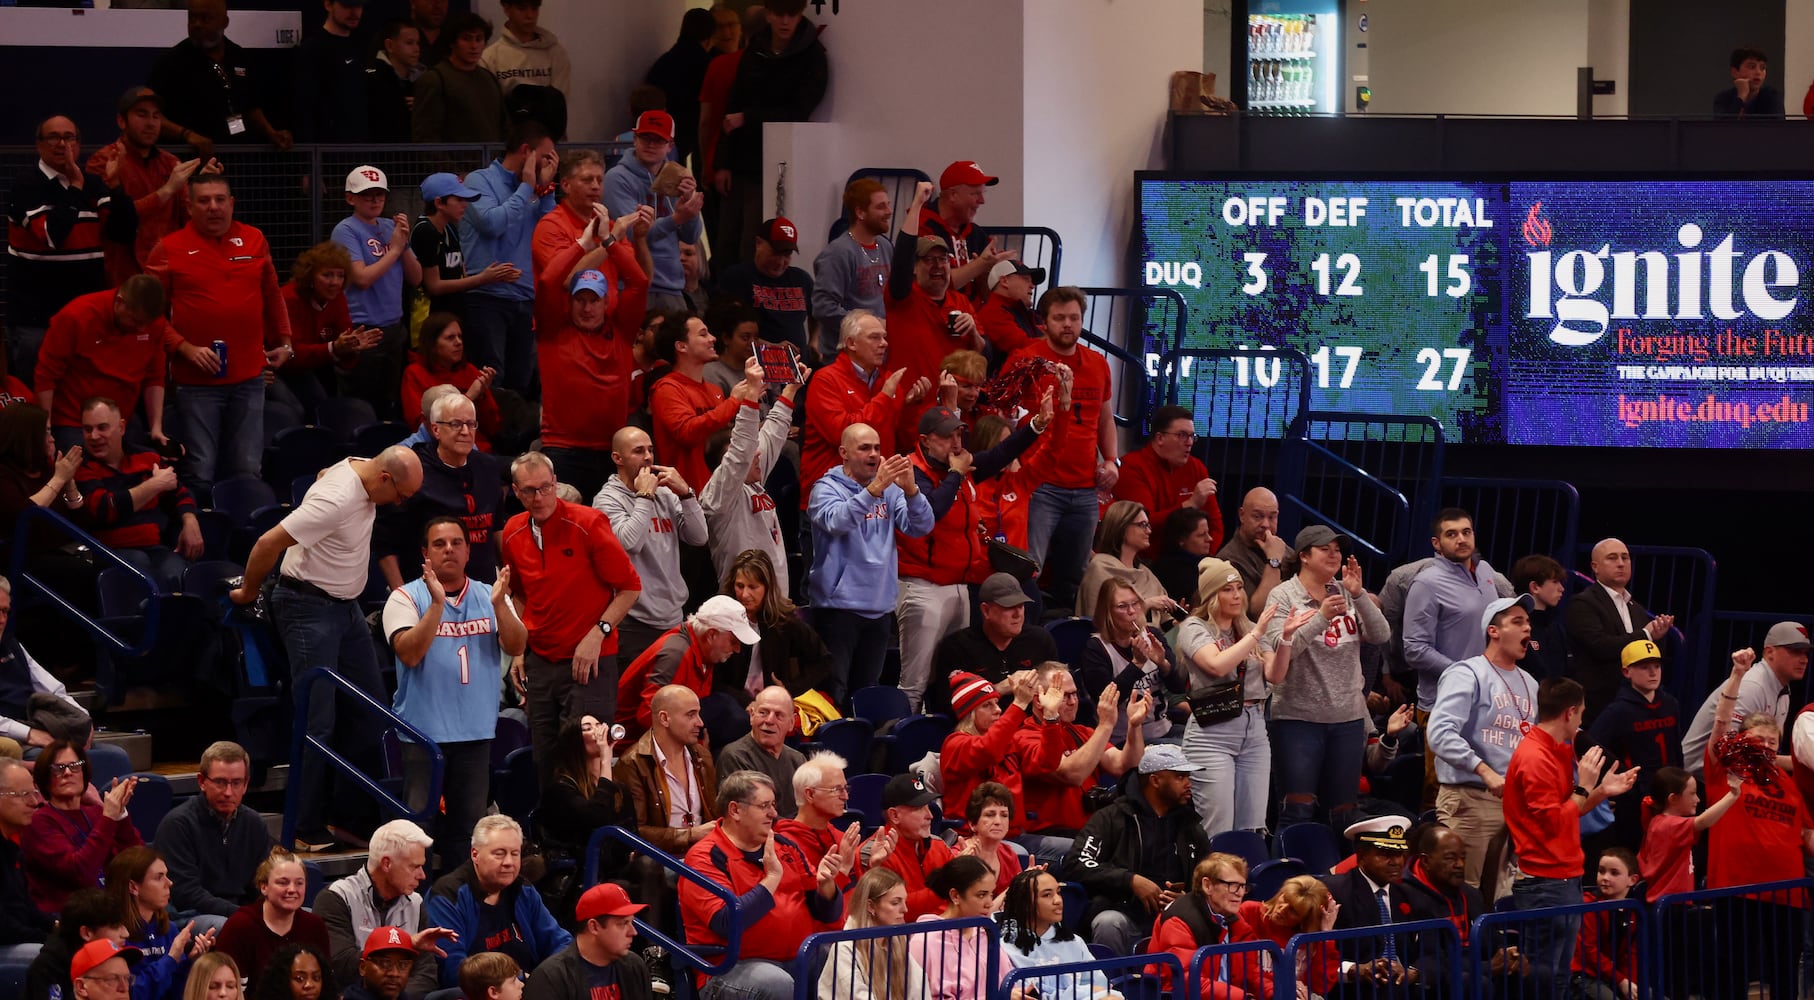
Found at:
(70, 767)
(119, 983)
(1143, 525)
(227, 784)
(768, 806)
(537, 491)
(1130, 606)
(60, 138)
(839, 790)
(29, 793)
(1182, 435)
(459, 425)
(1238, 888)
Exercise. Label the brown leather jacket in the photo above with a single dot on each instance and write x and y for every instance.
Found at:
(640, 774)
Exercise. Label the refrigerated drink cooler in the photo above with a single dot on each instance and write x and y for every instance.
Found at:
(1292, 53)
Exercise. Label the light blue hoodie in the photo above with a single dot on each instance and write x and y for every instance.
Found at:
(627, 186)
(854, 563)
(1480, 715)
(499, 226)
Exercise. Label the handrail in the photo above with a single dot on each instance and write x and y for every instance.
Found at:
(1198, 958)
(1004, 234)
(1135, 964)
(1173, 366)
(1180, 314)
(589, 878)
(806, 983)
(1729, 892)
(25, 581)
(1479, 955)
(1408, 928)
(301, 742)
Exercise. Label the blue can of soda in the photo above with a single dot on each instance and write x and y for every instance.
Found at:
(220, 351)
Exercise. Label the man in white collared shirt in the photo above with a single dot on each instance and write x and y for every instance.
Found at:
(1786, 656)
(1602, 620)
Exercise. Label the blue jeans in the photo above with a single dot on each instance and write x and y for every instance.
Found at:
(223, 429)
(857, 647)
(1319, 768)
(158, 562)
(751, 979)
(1550, 943)
(1060, 526)
(318, 631)
(1230, 792)
(1045, 849)
(501, 333)
(22, 344)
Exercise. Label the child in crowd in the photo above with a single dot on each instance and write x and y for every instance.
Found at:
(1606, 949)
(1642, 728)
(1667, 860)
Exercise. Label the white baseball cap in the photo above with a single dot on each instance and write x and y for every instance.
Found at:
(723, 613)
(365, 178)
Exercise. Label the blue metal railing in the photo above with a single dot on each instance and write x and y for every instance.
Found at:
(1514, 518)
(1265, 954)
(29, 589)
(1143, 326)
(820, 957)
(1372, 477)
(1490, 934)
(1411, 941)
(688, 954)
(1740, 936)
(1064, 981)
(302, 743)
(1038, 246)
(1245, 400)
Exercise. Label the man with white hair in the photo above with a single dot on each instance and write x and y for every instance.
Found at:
(458, 481)
(325, 546)
(823, 797)
(424, 432)
(765, 747)
(22, 926)
(487, 906)
(686, 655)
(20, 678)
(652, 511)
(383, 894)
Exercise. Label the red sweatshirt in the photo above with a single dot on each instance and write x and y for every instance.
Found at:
(1163, 491)
(837, 397)
(225, 290)
(774, 925)
(417, 379)
(1069, 461)
(1051, 803)
(565, 583)
(1540, 813)
(587, 375)
(911, 862)
(966, 761)
(636, 686)
(685, 412)
(1172, 934)
(313, 330)
(140, 177)
(86, 354)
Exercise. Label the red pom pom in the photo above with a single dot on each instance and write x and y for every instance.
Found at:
(1016, 385)
(1751, 760)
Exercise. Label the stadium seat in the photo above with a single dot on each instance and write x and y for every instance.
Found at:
(1076, 904)
(1070, 634)
(511, 735)
(151, 800)
(850, 739)
(1248, 845)
(314, 880)
(726, 722)
(1314, 844)
(277, 420)
(208, 579)
(344, 415)
(238, 498)
(1263, 881)
(301, 451)
(299, 487)
(182, 653)
(516, 794)
(879, 704)
(123, 593)
(374, 438)
(106, 763)
(239, 547)
(913, 738)
(866, 797)
(217, 532)
(1101, 952)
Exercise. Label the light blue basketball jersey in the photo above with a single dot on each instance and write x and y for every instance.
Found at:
(453, 695)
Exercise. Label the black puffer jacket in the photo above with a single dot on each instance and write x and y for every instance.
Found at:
(772, 87)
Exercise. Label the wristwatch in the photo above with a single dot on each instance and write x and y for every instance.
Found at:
(1274, 563)
(604, 628)
(1579, 790)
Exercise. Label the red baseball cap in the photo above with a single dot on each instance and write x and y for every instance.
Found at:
(607, 899)
(965, 172)
(387, 939)
(780, 235)
(98, 951)
(655, 123)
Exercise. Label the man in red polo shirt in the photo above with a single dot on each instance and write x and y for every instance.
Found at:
(1546, 794)
(153, 178)
(105, 344)
(572, 584)
(927, 317)
(222, 286)
(1086, 457)
(1164, 477)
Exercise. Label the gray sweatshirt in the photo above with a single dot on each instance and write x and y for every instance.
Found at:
(1324, 683)
(1480, 715)
(741, 515)
(847, 277)
(651, 531)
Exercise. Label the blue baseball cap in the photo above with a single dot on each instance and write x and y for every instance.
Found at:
(443, 185)
(591, 281)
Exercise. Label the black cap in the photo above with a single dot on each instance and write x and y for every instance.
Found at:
(134, 95)
(906, 790)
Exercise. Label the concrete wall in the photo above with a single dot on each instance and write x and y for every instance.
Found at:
(612, 43)
(1609, 52)
(1484, 57)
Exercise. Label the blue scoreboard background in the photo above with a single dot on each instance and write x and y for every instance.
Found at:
(1647, 313)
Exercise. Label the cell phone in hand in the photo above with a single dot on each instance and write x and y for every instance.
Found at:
(1332, 589)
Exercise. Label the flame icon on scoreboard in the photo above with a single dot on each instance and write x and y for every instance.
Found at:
(1536, 227)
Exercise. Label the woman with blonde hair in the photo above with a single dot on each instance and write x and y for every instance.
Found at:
(1125, 532)
(1301, 906)
(874, 968)
(256, 931)
(1218, 647)
(213, 977)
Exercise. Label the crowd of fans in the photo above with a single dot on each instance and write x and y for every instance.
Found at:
(620, 476)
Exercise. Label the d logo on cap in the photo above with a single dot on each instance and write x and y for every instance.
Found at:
(372, 175)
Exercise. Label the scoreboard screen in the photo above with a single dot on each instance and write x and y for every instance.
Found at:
(1646, 313)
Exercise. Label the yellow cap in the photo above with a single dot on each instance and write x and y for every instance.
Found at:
(1638, 652)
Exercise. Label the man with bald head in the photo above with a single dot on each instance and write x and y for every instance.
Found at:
(1255, 548)
(652, 511)
(326, 548)
(855, 510)
(765, 748)
(1602, 620)
(669, 773)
